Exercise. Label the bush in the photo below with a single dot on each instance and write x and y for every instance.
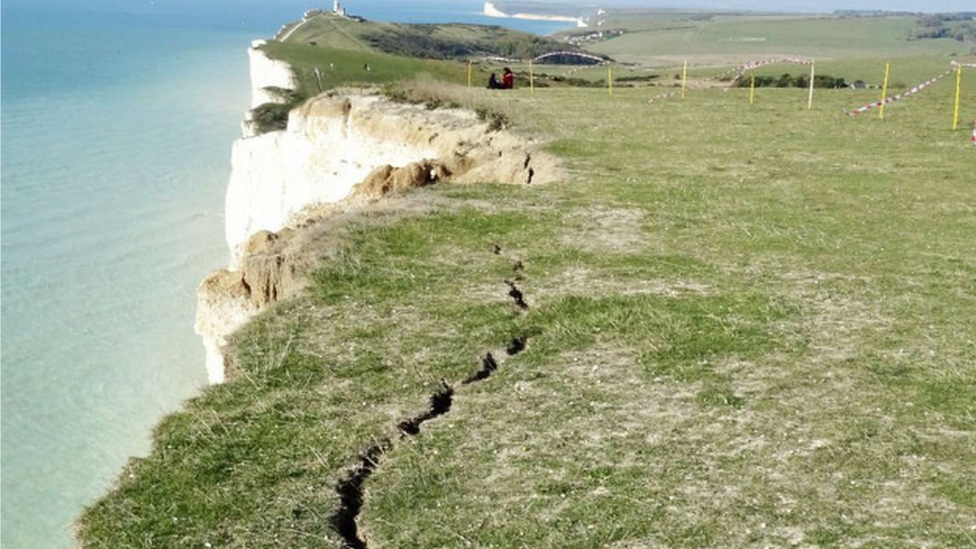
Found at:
(270, 117)
(285, 95)
(646, 78)
(789, 81)
(496, 120)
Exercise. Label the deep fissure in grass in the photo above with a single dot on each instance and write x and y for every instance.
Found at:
(440, 404)
(517, 345)
(350, 488)
(517, 295)
(528, 180)
(488, 366)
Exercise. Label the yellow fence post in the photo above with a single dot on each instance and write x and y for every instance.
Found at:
(610, 79)
(955, 116)
(752, 89)
(884, 90)
(531, 78)
(469, 75)
(684, 79)
(810, 100)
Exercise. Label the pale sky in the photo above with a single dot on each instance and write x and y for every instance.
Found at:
(793, 5)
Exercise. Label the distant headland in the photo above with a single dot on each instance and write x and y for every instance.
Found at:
(491, 10)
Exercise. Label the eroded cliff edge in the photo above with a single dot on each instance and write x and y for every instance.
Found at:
(340, 151)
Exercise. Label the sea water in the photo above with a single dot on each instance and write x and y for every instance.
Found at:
(117, 120)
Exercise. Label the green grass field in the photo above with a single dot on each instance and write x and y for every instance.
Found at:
(747, 326)
(347, 67)
(725, 40)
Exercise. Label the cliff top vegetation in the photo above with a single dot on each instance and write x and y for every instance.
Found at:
(735, 326)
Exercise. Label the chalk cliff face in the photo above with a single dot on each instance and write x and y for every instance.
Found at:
(330, 145)
(267, 73)
(340, 148)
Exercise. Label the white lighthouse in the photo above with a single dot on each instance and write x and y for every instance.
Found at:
(338, 9)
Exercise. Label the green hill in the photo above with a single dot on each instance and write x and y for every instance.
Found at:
(424, 41)
(326, 50)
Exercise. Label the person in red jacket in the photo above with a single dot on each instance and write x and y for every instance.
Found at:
(508, 79)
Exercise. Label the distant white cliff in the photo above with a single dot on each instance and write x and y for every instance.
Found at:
(491, 10)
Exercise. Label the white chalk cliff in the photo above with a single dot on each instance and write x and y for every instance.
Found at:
(329, 146)
(267, 73)
(491, 10)
(332, 143)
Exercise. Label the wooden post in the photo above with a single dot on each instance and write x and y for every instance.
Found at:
(810, 100)
(610, 79)
(752, 89)
(884, 90)
(469, 74)
(531, 78)
(318, 78)
(684, 79)
(955, 116)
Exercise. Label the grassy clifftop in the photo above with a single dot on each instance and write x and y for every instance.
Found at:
(735, 326)
(425, 41)
(326, 50)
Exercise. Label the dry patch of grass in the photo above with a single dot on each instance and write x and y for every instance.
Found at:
(604, 230)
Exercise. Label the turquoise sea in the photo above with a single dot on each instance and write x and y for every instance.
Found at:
(117, 121)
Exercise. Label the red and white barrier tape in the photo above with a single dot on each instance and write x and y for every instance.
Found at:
(901, 96)
(762, 63)
(739, 71)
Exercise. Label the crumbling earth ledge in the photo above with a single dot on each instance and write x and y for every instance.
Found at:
(283, 182)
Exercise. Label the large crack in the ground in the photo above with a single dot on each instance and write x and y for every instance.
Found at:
(488, 366)
(440, 404)
(350, 488)
(517, 295)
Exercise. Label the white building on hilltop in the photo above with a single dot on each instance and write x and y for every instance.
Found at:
(338, 9)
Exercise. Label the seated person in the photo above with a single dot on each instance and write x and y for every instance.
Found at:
(508, 79)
